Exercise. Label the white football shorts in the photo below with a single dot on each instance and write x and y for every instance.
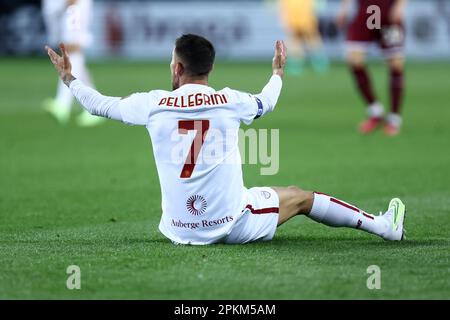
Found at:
(259, 219)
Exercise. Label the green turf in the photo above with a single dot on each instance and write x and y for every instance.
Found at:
(90, 197)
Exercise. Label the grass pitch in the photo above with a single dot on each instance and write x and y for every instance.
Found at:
(90, 197)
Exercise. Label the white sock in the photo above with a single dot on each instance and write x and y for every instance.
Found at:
(394, 119)
(375, 110)
(336, 213)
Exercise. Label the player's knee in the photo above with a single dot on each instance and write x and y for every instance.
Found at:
(397, 64)
(355, 63)
(302, 199)
(355, 59)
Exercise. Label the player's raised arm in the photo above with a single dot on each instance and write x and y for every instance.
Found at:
(94, 102)
(269, 95)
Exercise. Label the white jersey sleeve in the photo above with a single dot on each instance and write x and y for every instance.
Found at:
(136, 109)
(254, 106)
(133, 110)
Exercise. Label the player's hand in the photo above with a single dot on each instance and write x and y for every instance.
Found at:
(62, 63)
(279, 58)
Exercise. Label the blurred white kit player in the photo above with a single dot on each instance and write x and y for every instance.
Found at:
(68, 21)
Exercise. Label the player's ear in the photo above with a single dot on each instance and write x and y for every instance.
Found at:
(179, 69)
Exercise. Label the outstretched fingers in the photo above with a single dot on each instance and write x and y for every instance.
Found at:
(280, 53)
(281, 49)
(61, 63)
(278, 47)
(64, 53)
(52, 54)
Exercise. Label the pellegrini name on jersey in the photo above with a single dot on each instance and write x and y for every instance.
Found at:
(194, 100)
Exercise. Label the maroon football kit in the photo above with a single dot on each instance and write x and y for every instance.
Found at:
(362, 31)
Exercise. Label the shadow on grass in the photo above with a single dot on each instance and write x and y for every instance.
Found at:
(279, 243)
(343, 243)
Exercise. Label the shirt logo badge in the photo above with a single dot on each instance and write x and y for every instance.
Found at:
(265, 194)
(196, 205)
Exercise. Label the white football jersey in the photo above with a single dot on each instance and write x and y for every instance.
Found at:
(194, 132)
(52, 7)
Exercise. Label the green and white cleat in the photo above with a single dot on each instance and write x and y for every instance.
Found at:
(85, 119)
(59, 111)
(396, 218)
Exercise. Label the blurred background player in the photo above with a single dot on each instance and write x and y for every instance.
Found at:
(300, 22)
(68, 21)
(390, 37)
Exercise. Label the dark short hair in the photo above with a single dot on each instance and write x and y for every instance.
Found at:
(196, 53)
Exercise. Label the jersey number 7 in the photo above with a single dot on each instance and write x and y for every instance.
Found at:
(201, 127)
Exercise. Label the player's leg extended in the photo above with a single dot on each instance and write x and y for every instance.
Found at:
(293, 201)
(356, 59)
(337, 213)
(396, 87)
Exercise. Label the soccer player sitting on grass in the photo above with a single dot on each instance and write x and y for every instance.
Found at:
(204, 199)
